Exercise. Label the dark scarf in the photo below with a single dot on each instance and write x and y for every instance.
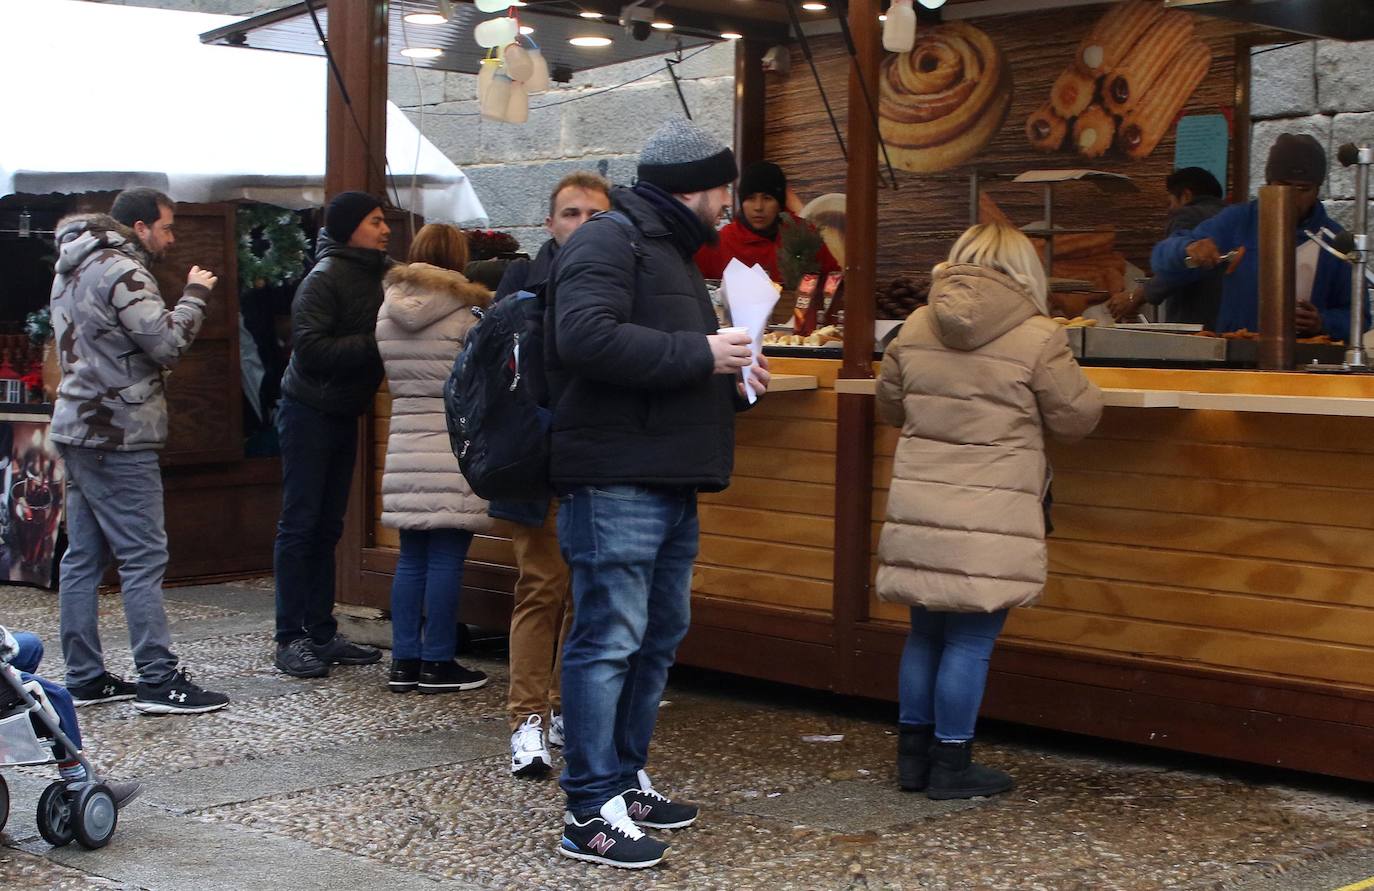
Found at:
(687, 230)
(770, 233)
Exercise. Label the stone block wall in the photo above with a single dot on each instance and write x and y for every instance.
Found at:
(1322, 88)
(598, 121)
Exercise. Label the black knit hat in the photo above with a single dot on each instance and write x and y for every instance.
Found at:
(765, 177)
(346, 211)
(682, 158)
(1296, 159)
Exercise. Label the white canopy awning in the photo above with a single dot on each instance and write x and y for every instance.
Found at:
(103, 97)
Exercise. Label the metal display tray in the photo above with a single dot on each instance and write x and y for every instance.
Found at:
(1135, 345)
(1243, 352)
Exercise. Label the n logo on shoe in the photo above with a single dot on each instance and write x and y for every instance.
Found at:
(639, 811)
(601, 843)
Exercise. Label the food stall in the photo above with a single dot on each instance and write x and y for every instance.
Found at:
(1210, 568)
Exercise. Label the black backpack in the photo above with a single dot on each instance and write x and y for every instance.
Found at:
(496, 400)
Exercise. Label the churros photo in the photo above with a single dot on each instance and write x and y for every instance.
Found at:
(1127, 82)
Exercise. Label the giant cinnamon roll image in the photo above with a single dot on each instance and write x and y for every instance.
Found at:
(941, 103)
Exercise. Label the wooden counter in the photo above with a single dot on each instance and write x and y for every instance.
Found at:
(1210, 588)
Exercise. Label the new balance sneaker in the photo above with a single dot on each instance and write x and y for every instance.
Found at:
(177, 695)
(339, 650)
(529, 757)
(556, 730)
(610, 838)
(298, 659)
(405, 675)
(649, 808)
(106, 688)
(449, 677)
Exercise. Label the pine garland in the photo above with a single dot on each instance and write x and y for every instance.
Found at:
(271, 246)
(799, 249)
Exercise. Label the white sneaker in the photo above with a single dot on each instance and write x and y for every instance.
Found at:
(529, 757)
(556, 730)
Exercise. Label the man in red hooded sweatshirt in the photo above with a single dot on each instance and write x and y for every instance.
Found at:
(754, 234)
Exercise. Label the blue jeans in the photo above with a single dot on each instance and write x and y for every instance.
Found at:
(424, 593)
(114, 510)
(317, 454)
(630, 550)
(26, 663)
(945, 668)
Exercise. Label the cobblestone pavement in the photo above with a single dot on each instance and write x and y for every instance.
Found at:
(337, 784)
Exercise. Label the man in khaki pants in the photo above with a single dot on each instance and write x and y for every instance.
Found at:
(543, 604)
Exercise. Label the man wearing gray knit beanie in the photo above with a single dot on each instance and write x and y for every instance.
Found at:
(644, 393)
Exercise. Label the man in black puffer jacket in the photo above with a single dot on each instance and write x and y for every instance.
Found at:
(644, 393)
(334, 372)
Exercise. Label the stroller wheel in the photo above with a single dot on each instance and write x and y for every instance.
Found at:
(4, 803)
(55, 815)
(94, 815)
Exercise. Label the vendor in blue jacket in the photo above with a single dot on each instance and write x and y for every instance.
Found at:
(1323, 281)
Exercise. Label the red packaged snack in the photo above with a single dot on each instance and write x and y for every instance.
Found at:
(808, 303)
(832, 304)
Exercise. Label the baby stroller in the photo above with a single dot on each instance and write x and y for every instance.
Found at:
(84, 811)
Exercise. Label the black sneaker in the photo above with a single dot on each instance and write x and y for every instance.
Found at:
(609, 838)
(449, 677)
(298, 659)
(177, 695)
(405, 674)
(342, 651)
(106, 688)
(123, 793)
(649, 808)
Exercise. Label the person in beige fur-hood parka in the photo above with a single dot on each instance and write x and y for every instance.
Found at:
(421, 327)
(974, 380)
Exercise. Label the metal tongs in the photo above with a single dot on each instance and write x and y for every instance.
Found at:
(1231, 259)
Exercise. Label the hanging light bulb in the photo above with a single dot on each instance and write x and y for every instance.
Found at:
(495, 32)
(494, 5)
(932, 4)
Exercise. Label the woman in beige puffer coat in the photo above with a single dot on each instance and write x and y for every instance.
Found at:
(974, 380)
(421, 328)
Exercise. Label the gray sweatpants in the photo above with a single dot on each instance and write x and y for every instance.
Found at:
(114, 509)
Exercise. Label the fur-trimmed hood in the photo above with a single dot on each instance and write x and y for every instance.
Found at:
(419, 294)
(80, 235)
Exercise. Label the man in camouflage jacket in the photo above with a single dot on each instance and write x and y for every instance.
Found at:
(116, 341)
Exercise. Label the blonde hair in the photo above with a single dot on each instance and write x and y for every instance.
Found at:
(440, 244)
(1005, 249)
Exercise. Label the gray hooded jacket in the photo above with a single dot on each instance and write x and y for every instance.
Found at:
(116, 339)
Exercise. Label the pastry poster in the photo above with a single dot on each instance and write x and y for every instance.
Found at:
(30, 501)
(1099, 86)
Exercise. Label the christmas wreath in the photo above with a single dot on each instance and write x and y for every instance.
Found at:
(271, 246)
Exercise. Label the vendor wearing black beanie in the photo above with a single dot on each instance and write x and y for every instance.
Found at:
(333, 374)
(1322, 281)
(754, 235)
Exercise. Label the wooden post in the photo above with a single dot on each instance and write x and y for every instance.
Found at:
(749, 101)
(355, 141)
(1278, 218)
(854, 430)
(355, 159)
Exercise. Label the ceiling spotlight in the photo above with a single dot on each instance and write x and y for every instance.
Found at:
(425, 18)
(821, 7)
(731, 35)
(883, 17)
(661, 26)
(421, 52)
(932, 4)
(526, 30)
(590, 41)
(590, 15)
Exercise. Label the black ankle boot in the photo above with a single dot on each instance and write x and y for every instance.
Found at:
(954, 775)
(913, 756)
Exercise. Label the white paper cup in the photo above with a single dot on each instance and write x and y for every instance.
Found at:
(734, 329)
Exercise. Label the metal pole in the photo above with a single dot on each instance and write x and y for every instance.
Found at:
(1354, 352)
(1278, 218)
